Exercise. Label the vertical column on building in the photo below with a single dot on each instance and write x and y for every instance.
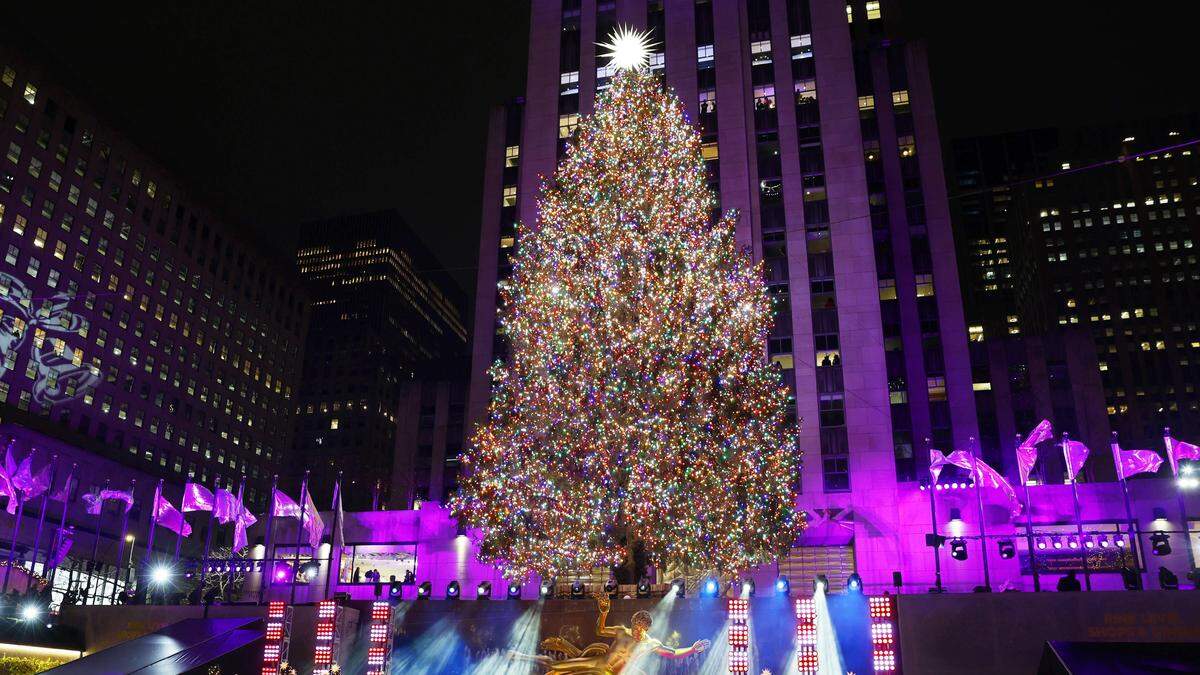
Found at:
(868, 419)
(681, 52)
(539, 140)
(735, 122)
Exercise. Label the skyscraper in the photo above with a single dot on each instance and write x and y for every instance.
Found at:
(383, 312)
(817, 126)
(131, 315)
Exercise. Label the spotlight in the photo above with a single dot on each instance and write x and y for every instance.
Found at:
(710, 588)
(1007, 549)
(578, 590)
(748, 588)
(1103, 542)
(1057, 542)
(783, 586)
(31, 613)
(514, 591)
(1041, 543)
(611, 587)
(547, 589)
(160, 575)
(1167, 580)
(820, 583)
(1160, 543)
(1072, 542)
(452, 590)
(854, 583)
(1088, 542)
(424, 590)
(958, 548)
(310, 570)
(1120, 542)
(679, 587)
(643, 588)
(282, 570)
(484, 590)
(395, 588)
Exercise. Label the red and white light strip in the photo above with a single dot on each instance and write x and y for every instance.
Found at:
(277, 639)
(808, 661)
(379, 647)
(325, 649)
(883, 633)
(739, 635)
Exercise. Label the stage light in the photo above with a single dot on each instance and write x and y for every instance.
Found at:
(748, 588)
(514, 591)
(854, 583)
(643, 588)
(1088, 542)
(1103, 542)
(1072, 542)
(1041, 543)
(820, 583)
(679, 587)
(452, 590)
(1007, 549)
(31, 613)
(1057, 542)
(958, 548)
(484, 590)
(547, 589)
(310, 570)
(1167, 580)
(424, 590)
(710, 589)
(611, 588)
(1119, 541)
(783, 586)
(1160, 543)
(282, 570)
(160, 574)
(578, 590)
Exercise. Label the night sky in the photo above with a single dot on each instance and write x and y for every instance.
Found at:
(283, 113)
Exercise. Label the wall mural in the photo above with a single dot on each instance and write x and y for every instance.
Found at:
(42, 329)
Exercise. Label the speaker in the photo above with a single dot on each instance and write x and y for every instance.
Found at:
(897, 579)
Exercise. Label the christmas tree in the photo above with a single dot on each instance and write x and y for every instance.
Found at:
(636, 404)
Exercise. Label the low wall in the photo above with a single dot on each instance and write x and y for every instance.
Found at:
(1004, 633)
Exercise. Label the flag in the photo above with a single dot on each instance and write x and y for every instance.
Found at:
(95, 502)
(66, 537)
(287, 507)
(63, 493)
(166, 515)
(7, 473)
(1027, 449)
(41, 482)
(225, 506)
(244, 520)
(196, 497)
(1132, 462)
(983, 474)
(1076, 454)
(1177, 450)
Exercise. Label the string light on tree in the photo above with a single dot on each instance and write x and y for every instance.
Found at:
(636, 404)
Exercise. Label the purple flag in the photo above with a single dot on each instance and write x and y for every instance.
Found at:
(1177, 450)
(244, 520)
(1027, 449)
(95, 502)
(196, 497)
(1133, 462)
(225, 506)
(936, 461)
(65, 538)
(287, 507)
(981, 472)
(166, 515)
(1076, 454)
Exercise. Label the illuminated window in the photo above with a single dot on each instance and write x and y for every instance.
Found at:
(937, 388)
(567, 124)
(14, 152)
(806, 90)
(39, 238)
(887, 289)
(31, 93)
(975, 333)
(704, 53)
(981, 386)
(8, 76)
(873, 10)
(510, 195)
(849, 14)
(507, 242)
(900, 98)
(19, 223)
(708, 151)
(924, 285)
(866, 102)
(333, 423)
(512, 155)
(908, 145)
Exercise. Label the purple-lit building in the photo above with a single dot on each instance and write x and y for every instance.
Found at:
(132, 316)
(817, 125)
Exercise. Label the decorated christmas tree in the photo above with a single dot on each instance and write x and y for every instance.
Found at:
(636, 404)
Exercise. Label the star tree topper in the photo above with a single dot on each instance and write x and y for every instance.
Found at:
(628, 48)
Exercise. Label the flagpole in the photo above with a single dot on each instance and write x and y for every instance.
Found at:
(208, 535)
(37, 539)
(300, 533)
(937, 559)
(12, 546)
(1087, 578)
(337, 495)
(1183, 517)
(987, 577)
(121, 547)
(1134, 542)
(1037, 584)
(268, 572)
(62, 521)
(179, 534)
